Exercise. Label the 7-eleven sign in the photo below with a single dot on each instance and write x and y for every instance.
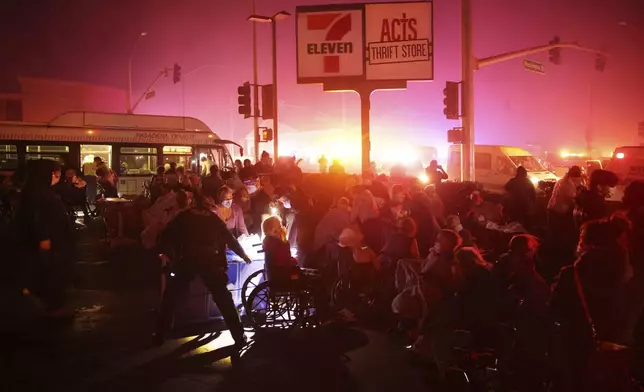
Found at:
(329, 44)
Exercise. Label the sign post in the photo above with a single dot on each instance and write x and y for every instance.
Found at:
(364, 48)
(534, 66)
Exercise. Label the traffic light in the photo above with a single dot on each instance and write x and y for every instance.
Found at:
(600, 62)
(451, 101)
(176, 74)
(555, 53)
(268, 110)
(267, 134)
(244, 99)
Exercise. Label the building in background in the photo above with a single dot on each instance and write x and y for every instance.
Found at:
(40, 100)
(10, 107)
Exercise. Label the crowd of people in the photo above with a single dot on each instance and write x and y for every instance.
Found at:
(432, 265)
(436, 269)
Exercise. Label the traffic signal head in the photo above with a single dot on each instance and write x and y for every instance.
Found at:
(555, 53)
(176, 74)
(600, 62)
(244, 99)
(268, 110)
(451, 101)
(267, 134)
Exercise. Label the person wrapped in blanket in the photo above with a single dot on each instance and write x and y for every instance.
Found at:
(282, 269)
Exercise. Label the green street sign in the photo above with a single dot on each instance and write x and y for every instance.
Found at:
(534, 66)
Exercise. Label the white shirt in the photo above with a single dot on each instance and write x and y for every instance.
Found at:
(563, 195)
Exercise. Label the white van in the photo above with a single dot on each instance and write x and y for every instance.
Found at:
(495, 165)
(628, 163)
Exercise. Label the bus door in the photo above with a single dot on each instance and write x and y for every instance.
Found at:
(206, 157)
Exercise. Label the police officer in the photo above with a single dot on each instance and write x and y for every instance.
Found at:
(196, 242)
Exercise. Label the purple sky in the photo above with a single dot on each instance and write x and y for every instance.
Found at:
(72, 39)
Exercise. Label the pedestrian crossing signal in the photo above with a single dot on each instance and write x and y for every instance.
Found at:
(267, 134)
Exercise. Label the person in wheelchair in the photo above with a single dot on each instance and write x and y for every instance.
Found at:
(282, 270)
(281, 267)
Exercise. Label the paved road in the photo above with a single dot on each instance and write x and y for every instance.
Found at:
(106, 349)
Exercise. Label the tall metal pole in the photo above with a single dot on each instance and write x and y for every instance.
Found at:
(365, 120)
(255, 92)
(275, 105)
(589, 126)
(467, 152)
(128, 97)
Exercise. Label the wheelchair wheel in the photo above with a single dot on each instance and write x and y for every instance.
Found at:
(268, 308)
(255, 279)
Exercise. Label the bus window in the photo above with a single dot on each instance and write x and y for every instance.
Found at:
(90, 151)
(180, 155)
(138, 161)
(54, 153)
(8, 157)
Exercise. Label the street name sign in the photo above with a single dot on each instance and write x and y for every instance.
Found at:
(534, 66)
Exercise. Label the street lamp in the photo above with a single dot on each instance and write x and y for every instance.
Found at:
(273, 21)
(128, 104)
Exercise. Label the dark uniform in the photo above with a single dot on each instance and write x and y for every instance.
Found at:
(197, 240)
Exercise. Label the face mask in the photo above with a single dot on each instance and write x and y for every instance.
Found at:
(227, 203)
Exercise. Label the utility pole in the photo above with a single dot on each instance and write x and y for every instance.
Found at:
(275, 105)
(589, 129)
(256, 91)
(468, 64)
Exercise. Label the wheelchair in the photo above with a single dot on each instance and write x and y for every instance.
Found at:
(255, 279)
(281, 305)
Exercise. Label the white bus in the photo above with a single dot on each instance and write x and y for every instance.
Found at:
(132, 145)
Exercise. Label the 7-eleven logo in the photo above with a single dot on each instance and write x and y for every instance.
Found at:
(337, 25)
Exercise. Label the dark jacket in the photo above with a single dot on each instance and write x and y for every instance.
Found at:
(610, 301)
(42, 214)
(199, 236)
(590, 205)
